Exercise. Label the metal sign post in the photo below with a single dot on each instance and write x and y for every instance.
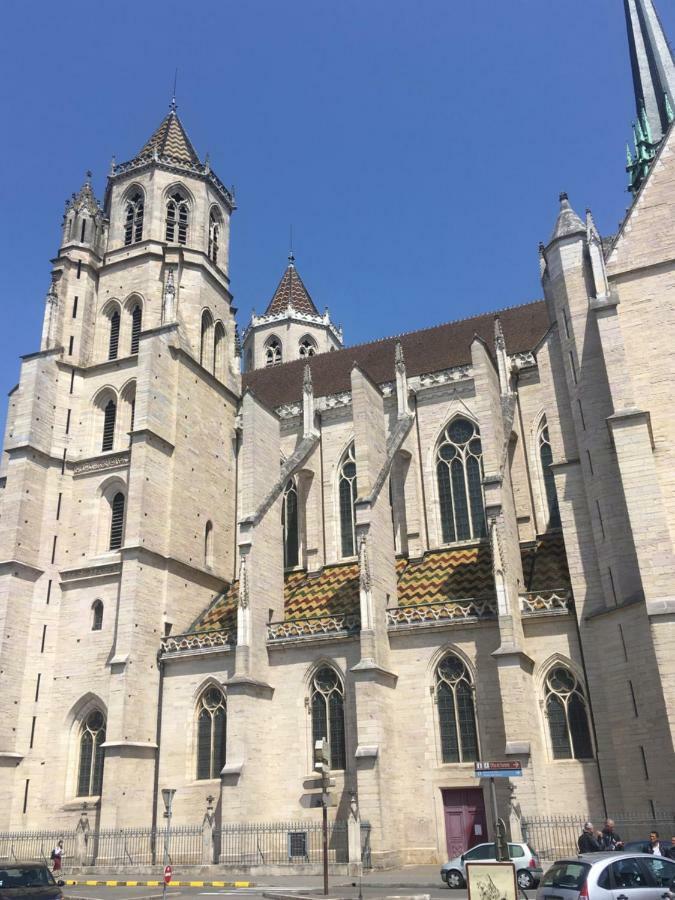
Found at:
(322, 765)
(167, 797)
(510, 768)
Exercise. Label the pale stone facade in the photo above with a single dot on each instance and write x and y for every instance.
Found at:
(389, 581)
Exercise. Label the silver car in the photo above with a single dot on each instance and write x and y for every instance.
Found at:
(528, 868)
(609, 876)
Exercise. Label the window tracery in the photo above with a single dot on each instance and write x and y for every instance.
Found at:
(273, 352)
(214, 235)
(456, 711)
(91, 755)
(328, 721)
(307, 347)
(133, 222)
(459, 469)
(347, 496)
(177, 218)
(211, 733)
(567, 715)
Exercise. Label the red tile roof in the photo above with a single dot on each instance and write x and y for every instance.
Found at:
(291, 291)
(428, 350)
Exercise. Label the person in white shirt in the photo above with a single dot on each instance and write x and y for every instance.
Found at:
(654, 845)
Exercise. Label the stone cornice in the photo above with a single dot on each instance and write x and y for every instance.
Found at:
(101, 463)
(28, 571)
(95, 569)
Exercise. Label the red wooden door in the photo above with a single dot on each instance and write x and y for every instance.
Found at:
(465, 823)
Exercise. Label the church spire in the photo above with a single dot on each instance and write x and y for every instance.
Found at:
(652, 64)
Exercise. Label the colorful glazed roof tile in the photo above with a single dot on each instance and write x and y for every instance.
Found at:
(291, 292)
(458, 573)
(545, 563)
(170, 141)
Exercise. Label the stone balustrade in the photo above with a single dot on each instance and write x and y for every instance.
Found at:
(556, 601)
(441, 613)
(313, 627)
(215, 639)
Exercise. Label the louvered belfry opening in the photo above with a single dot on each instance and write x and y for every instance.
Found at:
(109, 416)
(136, 320)
(117, 521)
(113, 345)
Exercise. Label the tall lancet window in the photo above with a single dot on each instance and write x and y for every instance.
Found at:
(136, 321)
(459, 469)
(133, 222)
(116, 521)
(328, 715)
(90, 772)
(567, 715)
(347, 498)
(456, 711)
(109, 417)
(211, 733)
(114, 337)
(177, 218)
(289, 524)
(214, 235)
(546, 459)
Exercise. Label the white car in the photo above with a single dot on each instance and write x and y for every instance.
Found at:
(609, 876)
(526, 861)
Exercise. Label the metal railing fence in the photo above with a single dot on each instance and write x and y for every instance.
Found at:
(144, 846)
(27, 845)
(280, 843)
(555, 836)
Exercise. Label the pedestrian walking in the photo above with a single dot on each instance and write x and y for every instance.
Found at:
(589, 839)
(670, 852)
(609, 839)
(57, 856)
(654, 845)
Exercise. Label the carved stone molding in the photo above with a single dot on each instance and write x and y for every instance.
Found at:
(102, 463)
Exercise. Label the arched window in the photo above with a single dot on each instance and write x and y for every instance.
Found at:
(208, 545)
(546, 458)
(133, 221)
(307, 347)
(273, 353)
(347, 496)
(214, 235)
(109, 416)
(289, 524)
(136, 321)
(114, 339)
(83, 230)
(97, 615)
(459, 469)
(177, 218)
(90, 772)
(456, 712)
(116, 521)
(211, 733)
(567, 716)
(218, 350)
(205, 339)
(328, 715)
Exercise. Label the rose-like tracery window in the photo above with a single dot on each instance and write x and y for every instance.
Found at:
(567, 715)
(456, 711)
(211, 733)
(459, 469)
(328, 717)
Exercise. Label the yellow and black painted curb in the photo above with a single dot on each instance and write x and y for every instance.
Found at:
(159, 883)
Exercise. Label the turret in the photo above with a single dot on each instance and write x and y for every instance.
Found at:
(83, 220)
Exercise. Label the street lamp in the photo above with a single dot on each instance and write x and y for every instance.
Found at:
(167, 797)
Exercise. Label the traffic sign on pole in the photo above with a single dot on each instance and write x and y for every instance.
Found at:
(509, 768)
(168, 874)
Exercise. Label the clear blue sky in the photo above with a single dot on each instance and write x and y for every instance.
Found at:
(417, 147)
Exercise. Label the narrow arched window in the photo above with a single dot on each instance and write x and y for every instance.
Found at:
(328, 715)
(289, 524)
(133, 221)
(459, 469)
(136, 322)
(273, 352)
(205, 339)
(218, 350)
(546, 459)
(90, 771)
(211, 733)
(347, 497)
(109, 416)
(116, 521)
(456, 711)
(208, 545)
(567, 716)
(177, 219)
(114, 339)
(307, 347)
(214, 235)
(83, 230)
(97, 615)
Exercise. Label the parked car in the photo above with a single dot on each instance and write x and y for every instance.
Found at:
(609, 876)
(526, 861)
(28, 881)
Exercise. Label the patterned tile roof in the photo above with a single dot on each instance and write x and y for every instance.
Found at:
(170, 141)
(291, 292)
(428, 350)
(458, 573)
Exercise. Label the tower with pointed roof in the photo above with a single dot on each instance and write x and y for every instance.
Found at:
(291, 326)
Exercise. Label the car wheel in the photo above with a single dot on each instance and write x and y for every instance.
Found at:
(525, 880)
(454, 879)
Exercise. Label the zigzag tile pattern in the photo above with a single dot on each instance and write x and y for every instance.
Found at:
(291, 291)
(171, 140)
(459, 573)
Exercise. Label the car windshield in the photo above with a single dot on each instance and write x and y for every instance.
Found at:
(566, 875)
(25, 876)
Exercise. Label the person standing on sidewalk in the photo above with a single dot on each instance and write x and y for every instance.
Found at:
(609, 839)
(589, 839)
(57, 856)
